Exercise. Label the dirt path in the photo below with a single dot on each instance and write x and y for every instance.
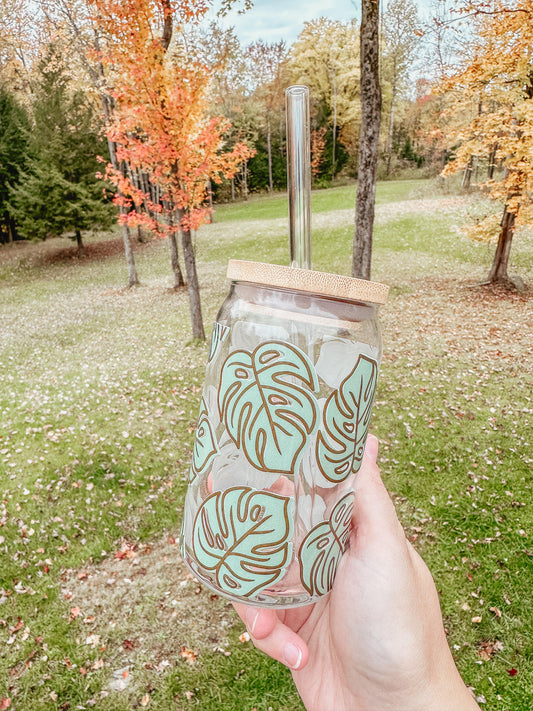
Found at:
(391, 211)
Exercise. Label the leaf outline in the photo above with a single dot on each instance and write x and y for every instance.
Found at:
(340, 448)
(267, 415)
(323, 547)
(205, 446)
(223, 525)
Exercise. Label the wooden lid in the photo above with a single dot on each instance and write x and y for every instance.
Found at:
(322, 283)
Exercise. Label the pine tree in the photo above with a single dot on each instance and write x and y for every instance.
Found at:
(14, 132)
(60, 192)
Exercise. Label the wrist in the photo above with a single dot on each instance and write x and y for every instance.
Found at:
(448, 692)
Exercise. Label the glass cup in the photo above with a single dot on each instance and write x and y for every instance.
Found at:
(288, 393)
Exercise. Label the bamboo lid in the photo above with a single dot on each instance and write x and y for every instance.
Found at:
(322, 283)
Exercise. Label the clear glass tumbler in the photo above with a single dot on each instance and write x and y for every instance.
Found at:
(288, 393)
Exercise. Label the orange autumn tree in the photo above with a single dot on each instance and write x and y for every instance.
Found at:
(167, 146)
(494, 89)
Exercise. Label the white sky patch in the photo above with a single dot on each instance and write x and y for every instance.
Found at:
(274, 20)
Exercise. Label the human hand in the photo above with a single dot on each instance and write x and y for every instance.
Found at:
(377, 641)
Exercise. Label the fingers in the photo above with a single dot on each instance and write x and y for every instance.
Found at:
(271, 636)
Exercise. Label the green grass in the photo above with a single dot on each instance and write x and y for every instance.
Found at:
(99, 392)
(261, 207)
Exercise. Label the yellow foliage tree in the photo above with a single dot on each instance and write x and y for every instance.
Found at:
(497, 79)
(326, 58)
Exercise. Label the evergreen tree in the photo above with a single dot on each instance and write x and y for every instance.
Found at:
(14, 131)
(59, 192)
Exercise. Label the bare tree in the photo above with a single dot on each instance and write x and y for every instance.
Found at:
(73, 15)
(400, 39)
(369, 139)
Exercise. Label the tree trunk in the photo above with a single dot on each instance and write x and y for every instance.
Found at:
(368, 140)
(492, 161)
(179, 281)
(193, 286)
(79, 243)
(334, 137)
(467, 175)
(245, 180)
(232, 189)
(391, 128)
(10, 230)
(107, 108)
(498, 271)
(269, 153)
(133, 279)
(210, 200)
(173, 246)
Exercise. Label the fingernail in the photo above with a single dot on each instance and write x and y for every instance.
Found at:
(292, 656)
(251, 619)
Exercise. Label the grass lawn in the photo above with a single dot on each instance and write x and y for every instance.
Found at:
(99, 393)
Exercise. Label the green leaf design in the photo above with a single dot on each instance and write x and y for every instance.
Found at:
(339, 450)
(205, 446)
(268, 405)
(244, 535)
(323, 547)
(218, 334)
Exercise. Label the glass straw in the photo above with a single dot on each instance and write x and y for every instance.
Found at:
(299, 175)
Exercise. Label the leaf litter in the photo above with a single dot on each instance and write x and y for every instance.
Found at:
(132, 610)
(143, 617)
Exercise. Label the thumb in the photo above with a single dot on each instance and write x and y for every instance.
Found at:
(374, 512)
(371, 448)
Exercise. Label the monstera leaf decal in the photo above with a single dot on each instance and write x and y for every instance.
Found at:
(339, 450)
(218, 334)
(267, 403)
(323, 547)
(205, 446)
(244, 536)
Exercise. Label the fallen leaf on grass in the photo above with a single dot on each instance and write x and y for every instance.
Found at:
(189, 655)
(145, 700)
(476, 620)
(512, 672)
(489, 648)
(244, 637)
(496, 611)
(127, 551)
(17, 627)
(74, 612)
(5, 703)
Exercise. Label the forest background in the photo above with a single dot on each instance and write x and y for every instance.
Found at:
(135, 113)
(145, 111)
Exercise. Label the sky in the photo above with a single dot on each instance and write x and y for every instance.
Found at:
(273, 20)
